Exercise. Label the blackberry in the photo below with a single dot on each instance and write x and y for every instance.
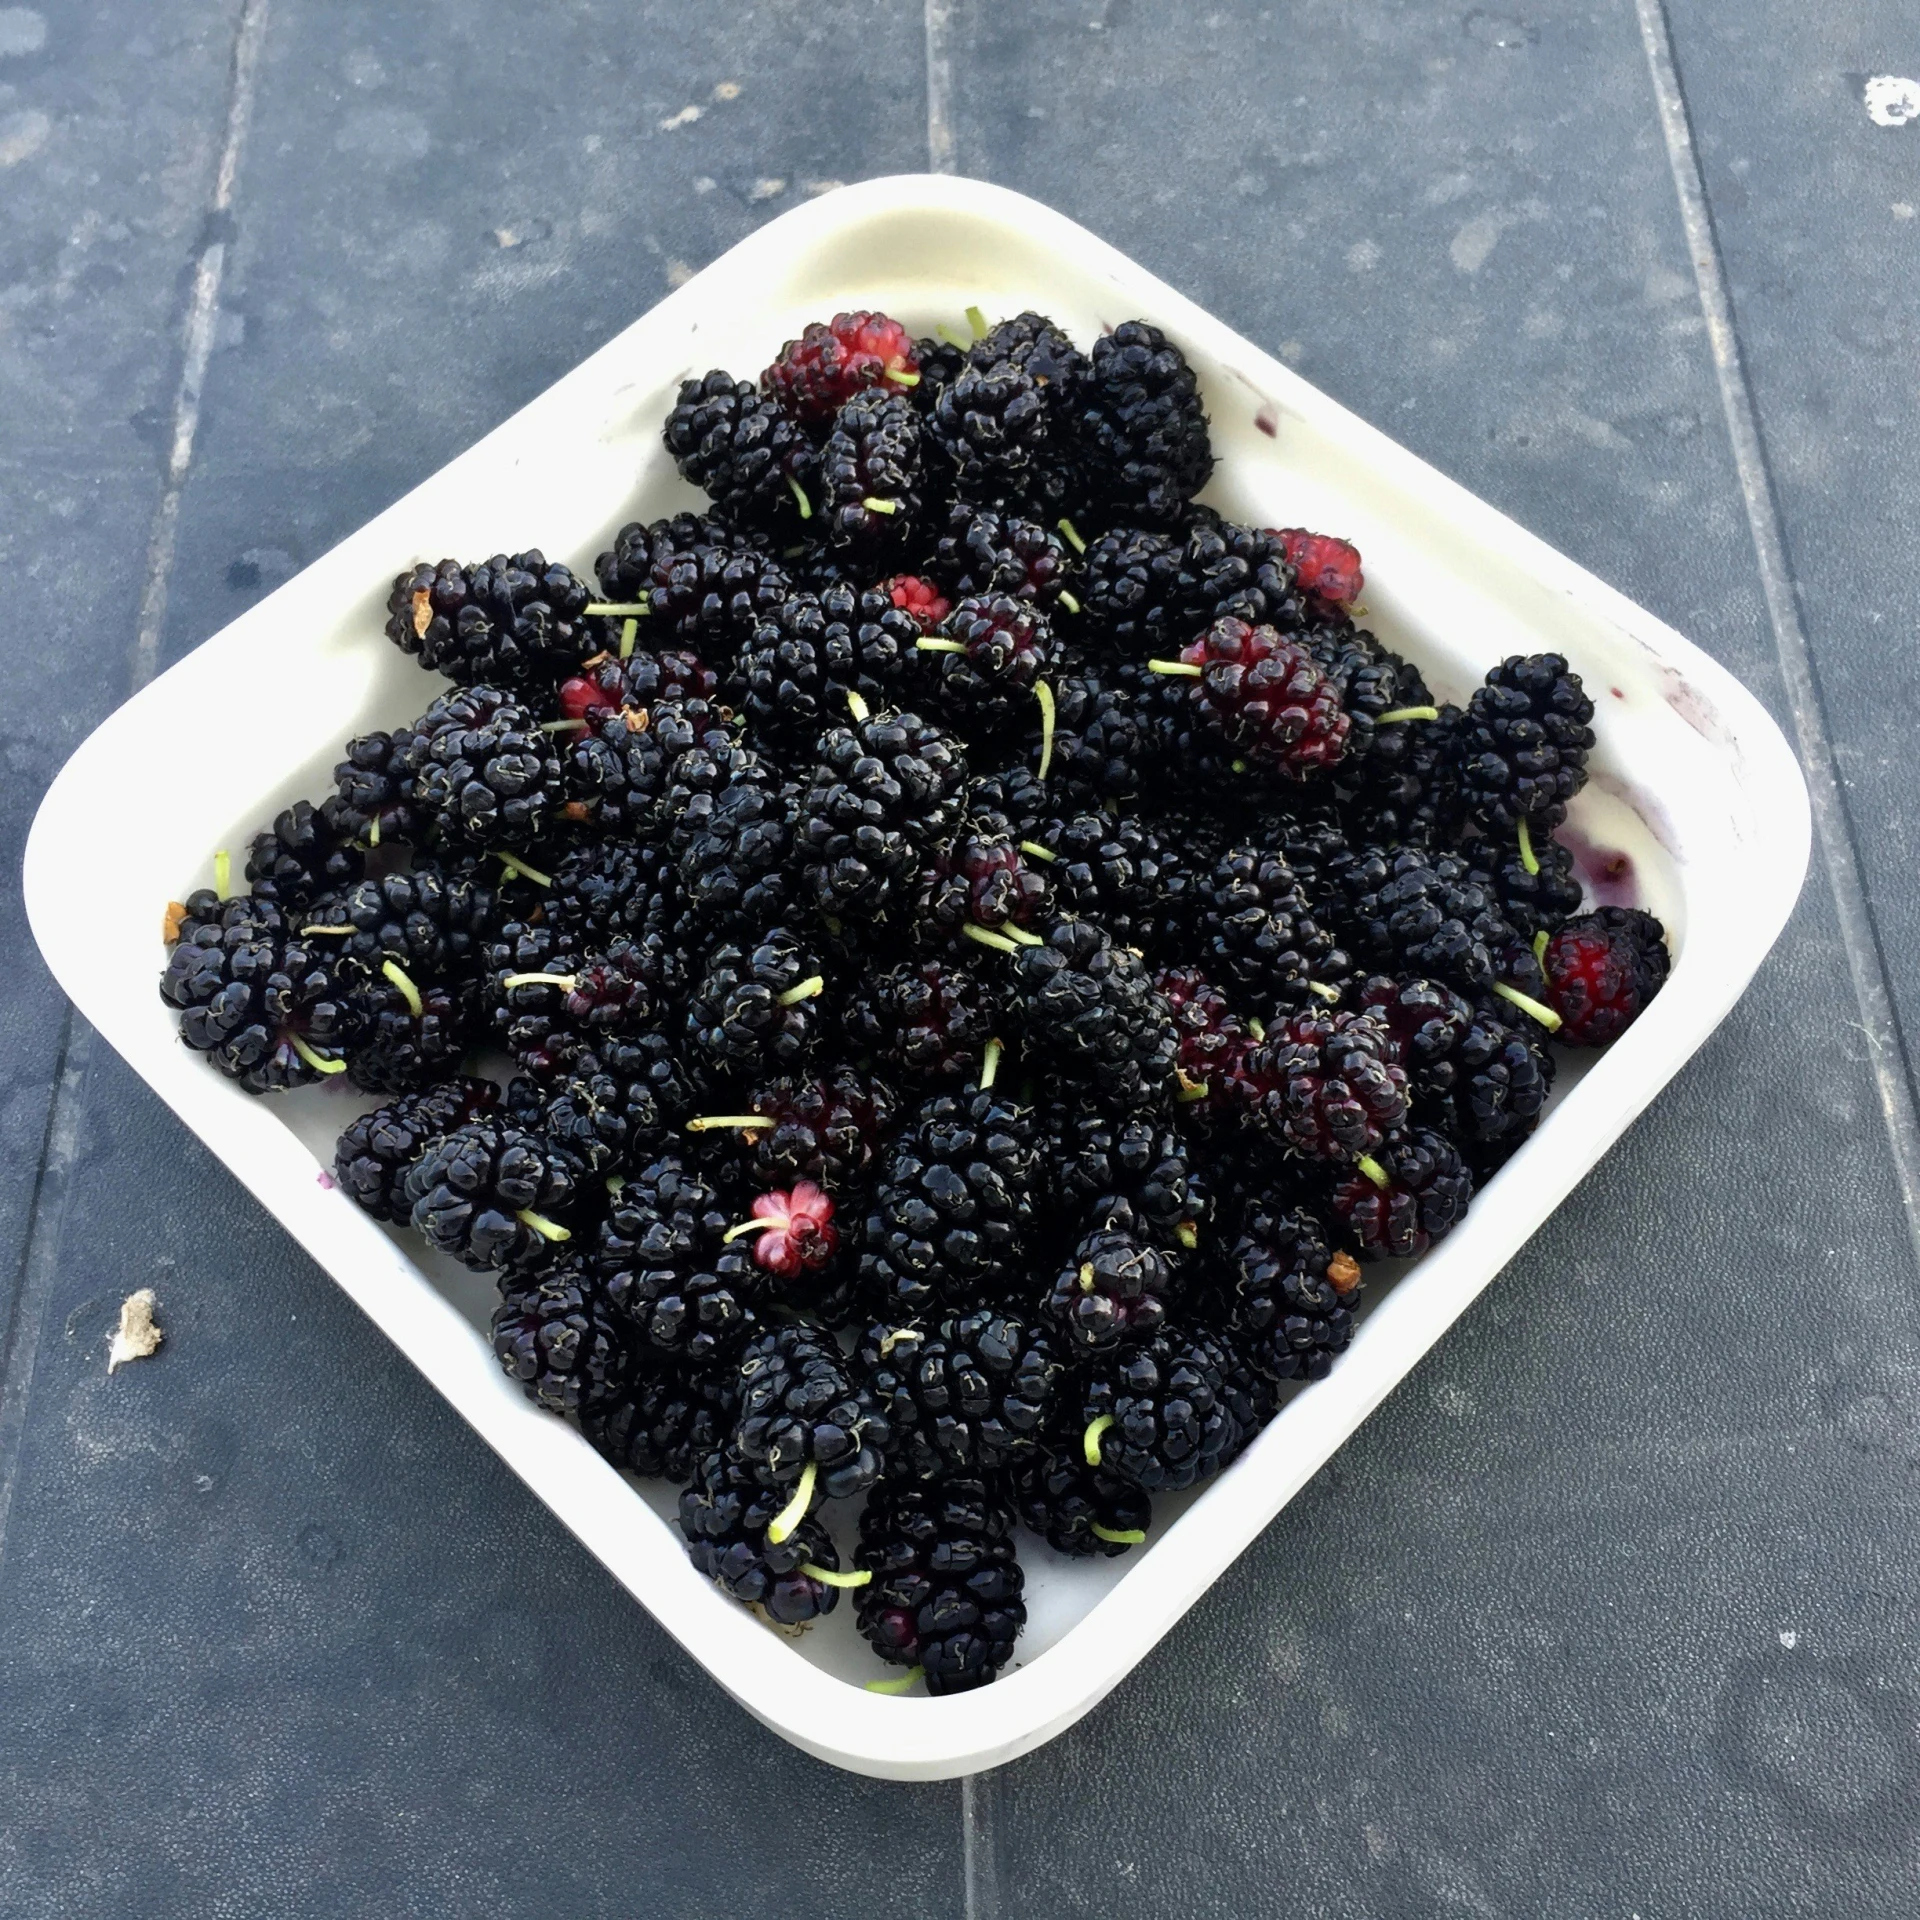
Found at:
(954, 1205)
(1013, 801)
(994, 427)
(982, 553)
(1406, 789)
(431, 921)
(1100, 740)
(816, 375)
(1091, 1007)
(826, 1130)
(1134, 878)
(483, 770)
(1142, 430)
(375, 1151)
(1373, 683)
(666, 1423)
(1212, 1040)
(810, 652)
(743, 449)
(1114, 1287)
(1602, 969)
(885, 791)
(1425, 913)
(1038, 347)
(1535, 884)
(1488, 1089)
(633, 772)
(1130, 593)
(1230, 570)
(372, 798)
(1329, 1084)
(1158, 1414)
(1259, 930)
(1428, 1022)
(495, 1196)
(946, 1591)
(1524, 743)
(302, 856)
(611, 682)
(411, 1035)
(669, 1271)
(1286, 1297)
(755, 1006)
(515, 621)
(269, 1009)
(554, 1335)
(732, 844)
(618, 1101)
(728, 1519)
(871, 487)
(1132, 1174)
(981, 880)
(986, 661)
(803, 1417)
(704, 585)
(929, 1020)
(571, 1005)
(941, 364)
(1077, 1509)
(1256, 696)
(964, 1399)
(1412, 1192)
(606, 890)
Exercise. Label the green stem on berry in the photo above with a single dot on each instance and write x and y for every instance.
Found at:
(713, 1122)
(1540, 946)
(1326, 993)
(1044, 694)
(1187, 1234)
(629, 633)
(1090, 1440)
(620, 609)
(808, 989)
(514, 864)
(1239, 766)
(373, 831)
(223, 873)
(1545, 1015)
(1406, 713)
(856, 706)
(1073, 536)
(828, 1578)
(874, 504)
(1086, 1276)
(790, 1516)
(953, 336)
(1120, 1536)
(1190, 1090)
(978, 322)
(895, 1336)
(319, 1062)
(1184, 668)
(990, 1064)
(1068, 601)
(760, 1225)
(800, 499)
(408, 991)
(1373, 1170)
(545, 1228)
(306, 932)
(1021, 937)
(998, 941)
(913, 1675)
(616, 1184)
(1528, 858)
(566, 982)
(1038, 852)
(561, 726)
(940, 646)
(901, 377)
(1256, 1026)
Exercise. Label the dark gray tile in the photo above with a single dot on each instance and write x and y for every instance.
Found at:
(109, 133)
(1602, 1600)
(286, 1637)
(1817, 211)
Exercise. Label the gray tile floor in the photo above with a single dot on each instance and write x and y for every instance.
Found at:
(1611, 1610)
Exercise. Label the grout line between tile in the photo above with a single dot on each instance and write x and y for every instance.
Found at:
(939, 18)
(203, 316)
(1866, 961)
(980, 1862)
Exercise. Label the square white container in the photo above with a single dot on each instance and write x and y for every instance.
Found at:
(1693, 784)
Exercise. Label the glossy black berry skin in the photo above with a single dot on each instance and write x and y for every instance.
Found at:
(1142, 426)
(482, 1191)
(801, 1406)
(1524, 744)
(725, 1517)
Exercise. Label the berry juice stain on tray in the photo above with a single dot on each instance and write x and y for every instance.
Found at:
(990, 952)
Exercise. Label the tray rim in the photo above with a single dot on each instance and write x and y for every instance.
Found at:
(916, 1738)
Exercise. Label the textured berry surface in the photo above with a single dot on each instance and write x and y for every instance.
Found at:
(1601, 972)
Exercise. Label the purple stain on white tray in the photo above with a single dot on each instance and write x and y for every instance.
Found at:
(1607, 873)
(326, 1180)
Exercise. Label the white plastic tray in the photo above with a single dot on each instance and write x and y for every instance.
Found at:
(1693, 786)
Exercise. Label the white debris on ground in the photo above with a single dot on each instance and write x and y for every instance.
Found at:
(1892, 99)
(138, 1336)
